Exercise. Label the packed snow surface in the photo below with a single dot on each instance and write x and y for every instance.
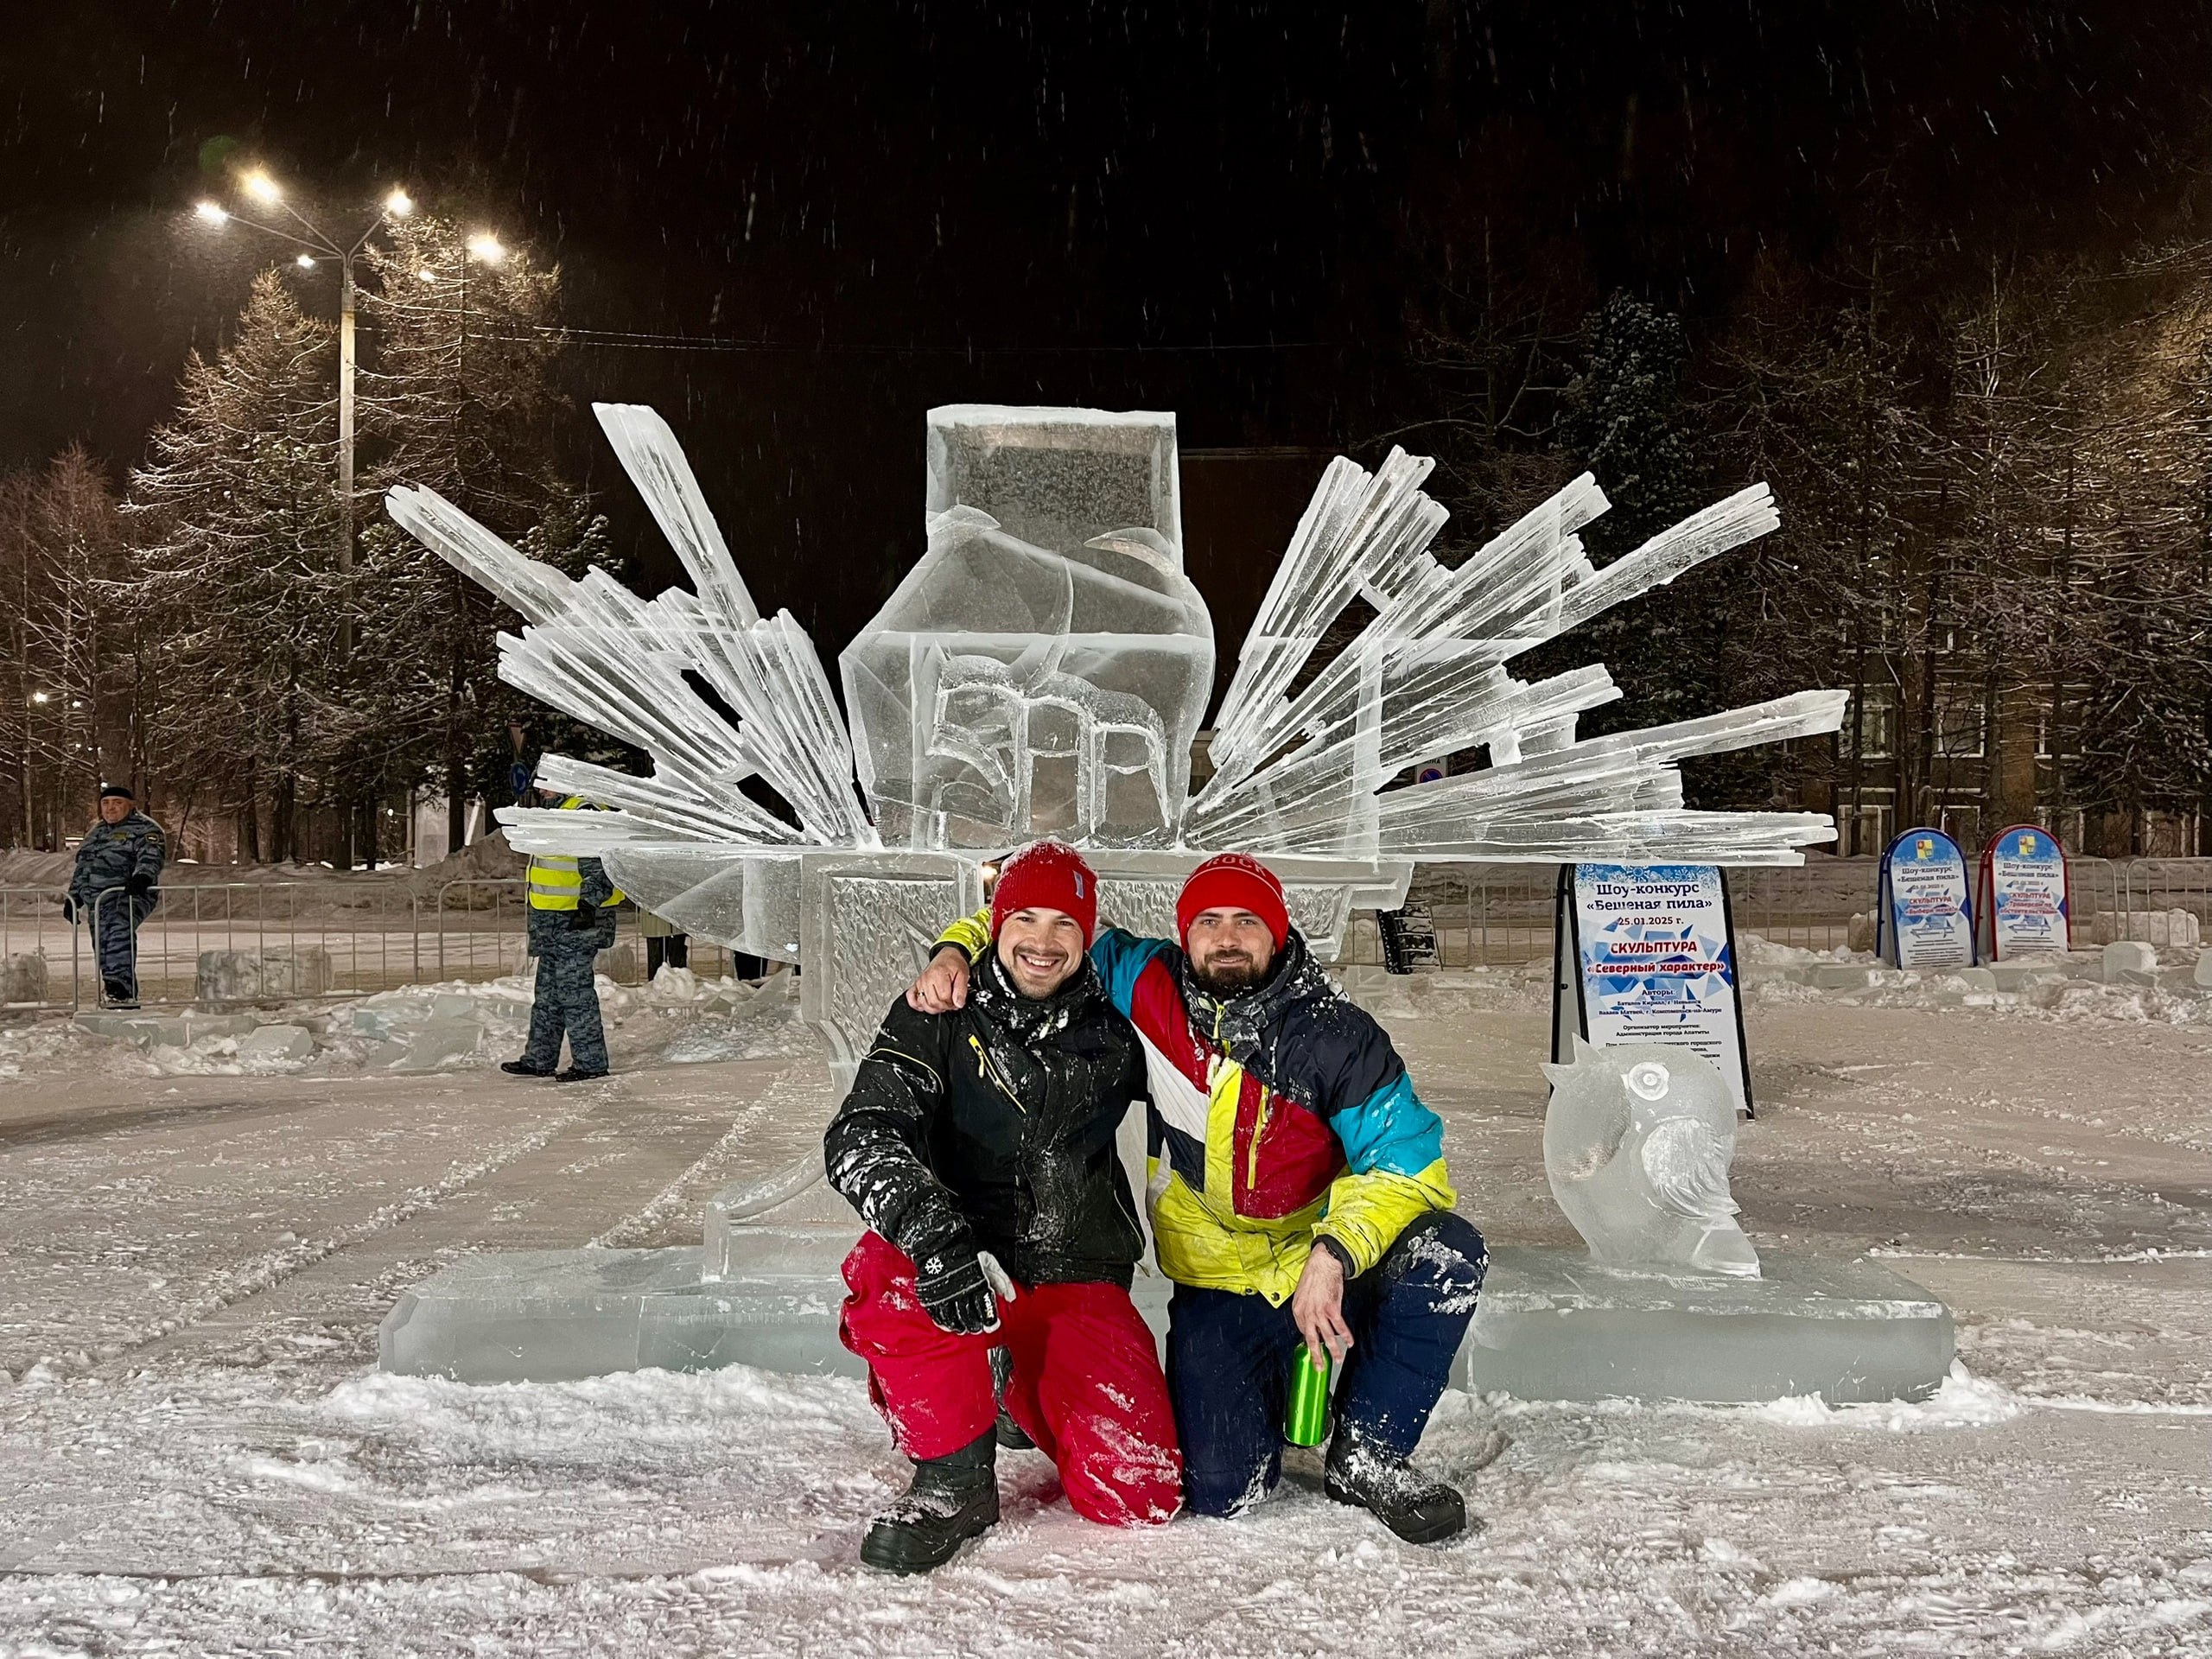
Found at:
(198, 1456)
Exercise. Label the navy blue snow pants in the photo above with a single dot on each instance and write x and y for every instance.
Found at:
(567, 1000)
(1229, 1357)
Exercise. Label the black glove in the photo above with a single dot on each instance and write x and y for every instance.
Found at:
(138, 886)
(583, 919)
(949, 1279)
(69, 912)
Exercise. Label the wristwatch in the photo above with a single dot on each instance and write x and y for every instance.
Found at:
(1336, 1247)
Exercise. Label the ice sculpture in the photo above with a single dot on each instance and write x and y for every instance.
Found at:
(1671, 1302)
(1044, 670)
(1637, 1141)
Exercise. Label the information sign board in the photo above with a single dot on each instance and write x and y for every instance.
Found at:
(1925, 917)
(2022, 900)
(1647, 954)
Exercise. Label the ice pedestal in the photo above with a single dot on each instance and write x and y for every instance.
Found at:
(554, 1316)
(1552, 1325)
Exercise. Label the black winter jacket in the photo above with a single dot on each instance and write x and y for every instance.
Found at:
(1004, 1111)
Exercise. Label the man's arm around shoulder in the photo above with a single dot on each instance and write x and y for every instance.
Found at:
(1118, 956)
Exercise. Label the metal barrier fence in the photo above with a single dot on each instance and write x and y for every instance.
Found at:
(245, 941)
(1500, 915)
(2152, 887)
(286, 941)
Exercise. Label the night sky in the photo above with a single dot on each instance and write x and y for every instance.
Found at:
(1227, 210)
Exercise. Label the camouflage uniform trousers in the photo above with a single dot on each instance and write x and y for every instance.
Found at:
(113, 920)
(566, 1001)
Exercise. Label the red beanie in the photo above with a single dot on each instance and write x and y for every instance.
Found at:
(1234, 881)
(1049, 875)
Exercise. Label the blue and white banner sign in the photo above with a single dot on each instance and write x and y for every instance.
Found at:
(2023, 901)
(1927, 913)
(1654, 961)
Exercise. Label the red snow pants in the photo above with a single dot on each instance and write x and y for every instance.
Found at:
(1087, 1385)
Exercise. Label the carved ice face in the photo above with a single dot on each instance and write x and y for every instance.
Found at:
(1637, 1141)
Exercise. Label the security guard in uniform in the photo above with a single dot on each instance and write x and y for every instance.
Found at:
(571, 921)
(114, 887)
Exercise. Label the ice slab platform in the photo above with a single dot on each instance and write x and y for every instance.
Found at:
(556, 1316)
(1553, 1324)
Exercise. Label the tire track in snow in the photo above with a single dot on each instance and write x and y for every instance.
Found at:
(271, 1268)
(795, 1083)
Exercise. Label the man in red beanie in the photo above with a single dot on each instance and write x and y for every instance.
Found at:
(1298, 1193)
(978, 1144)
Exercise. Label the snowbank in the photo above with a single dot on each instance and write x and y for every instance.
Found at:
(458, 1025)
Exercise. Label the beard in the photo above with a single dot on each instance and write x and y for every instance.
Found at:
(1225, 974)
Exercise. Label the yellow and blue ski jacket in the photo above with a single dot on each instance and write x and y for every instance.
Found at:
(1279, 1116)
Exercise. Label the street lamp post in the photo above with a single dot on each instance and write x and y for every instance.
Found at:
(314, 241)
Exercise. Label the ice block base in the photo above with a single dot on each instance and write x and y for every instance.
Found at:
(1553, 1325)
(554, 1316)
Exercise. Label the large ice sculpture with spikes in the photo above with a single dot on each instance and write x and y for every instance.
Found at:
(1045, 669)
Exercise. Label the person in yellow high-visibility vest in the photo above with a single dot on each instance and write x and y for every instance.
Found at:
(571, 921)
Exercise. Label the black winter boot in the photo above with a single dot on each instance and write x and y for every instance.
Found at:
(954, 1498)
(1419, 1510)
(1010, 1433)
(525, 1068)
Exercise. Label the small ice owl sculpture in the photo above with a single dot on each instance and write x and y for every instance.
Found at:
(1637, 1141)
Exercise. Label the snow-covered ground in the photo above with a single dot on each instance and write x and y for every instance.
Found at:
(197, 1456)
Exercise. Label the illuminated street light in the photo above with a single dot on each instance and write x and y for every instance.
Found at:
(428, 275)
(313, 244)
(485, 246)
(38, 697)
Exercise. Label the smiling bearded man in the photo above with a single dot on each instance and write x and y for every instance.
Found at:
(1297, 1191)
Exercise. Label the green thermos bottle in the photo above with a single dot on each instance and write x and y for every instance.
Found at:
(1306, 1423)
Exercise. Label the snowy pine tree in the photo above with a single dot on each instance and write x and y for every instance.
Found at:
(1813, 398)
(237, 591)
(459, 397)
(1624, 420)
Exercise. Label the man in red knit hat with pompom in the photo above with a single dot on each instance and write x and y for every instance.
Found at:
(978, 1144)
(1298, 1193)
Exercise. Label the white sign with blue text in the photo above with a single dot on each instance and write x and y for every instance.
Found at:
(1651, 950)
(1927, 913)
